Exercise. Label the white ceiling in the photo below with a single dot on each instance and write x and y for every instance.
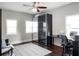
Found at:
(18, 6)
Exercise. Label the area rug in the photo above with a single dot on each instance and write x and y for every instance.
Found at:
(30, 49)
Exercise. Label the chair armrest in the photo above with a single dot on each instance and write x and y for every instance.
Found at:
(11, 46)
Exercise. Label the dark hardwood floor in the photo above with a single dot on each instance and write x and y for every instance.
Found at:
(56, 50)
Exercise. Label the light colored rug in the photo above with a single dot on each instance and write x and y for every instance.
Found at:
(30, 49)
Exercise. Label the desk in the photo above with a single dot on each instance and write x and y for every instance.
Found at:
(57, 40)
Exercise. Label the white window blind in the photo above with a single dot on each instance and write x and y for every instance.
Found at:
(11, 26)
(31, 27)
(28, 27)
(35, 27)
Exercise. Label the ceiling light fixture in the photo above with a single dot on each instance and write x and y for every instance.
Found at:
(34, 9)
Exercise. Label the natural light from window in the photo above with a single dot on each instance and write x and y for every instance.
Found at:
(72, 24)
(11, 26)
(35, 27)
(28, 27)
(31, 27)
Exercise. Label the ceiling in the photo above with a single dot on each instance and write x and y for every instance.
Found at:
(18, 6)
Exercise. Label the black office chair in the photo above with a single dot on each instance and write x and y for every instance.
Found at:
(67, 46)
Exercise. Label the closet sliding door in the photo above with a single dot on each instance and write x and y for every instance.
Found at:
(35, 29)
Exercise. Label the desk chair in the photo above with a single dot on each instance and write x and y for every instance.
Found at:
(6, 47)
(67, 46)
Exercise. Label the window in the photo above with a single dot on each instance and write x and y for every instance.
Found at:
(31, 27)
(72, 24)
(28, 26)
(11, 26)
(35, 27)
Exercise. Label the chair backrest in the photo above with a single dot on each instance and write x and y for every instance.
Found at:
(73, 34)
(64, 39)
(7, 42)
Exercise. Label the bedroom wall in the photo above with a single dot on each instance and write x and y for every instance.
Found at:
(59, 17)
(21, 36)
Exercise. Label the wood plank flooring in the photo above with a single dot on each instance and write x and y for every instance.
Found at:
(56, 51)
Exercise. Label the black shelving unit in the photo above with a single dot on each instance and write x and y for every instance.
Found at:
(45, 29)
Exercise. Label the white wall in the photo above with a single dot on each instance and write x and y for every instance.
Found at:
(21, 36)
(59, 15)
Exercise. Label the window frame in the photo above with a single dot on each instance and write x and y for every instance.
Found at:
(8, 27)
